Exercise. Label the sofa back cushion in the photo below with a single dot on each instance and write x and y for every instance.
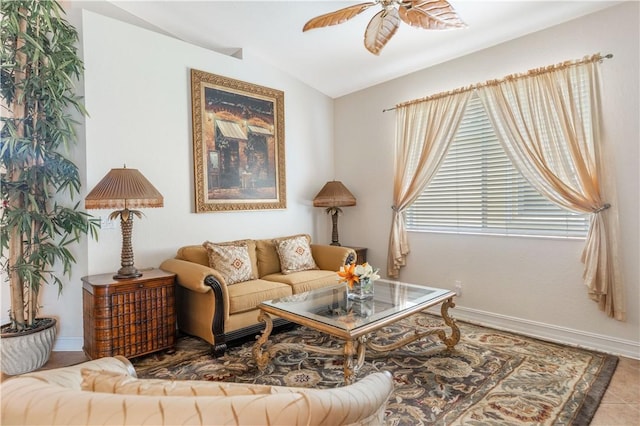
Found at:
(105, 381)
(198, 254)
(268, 258)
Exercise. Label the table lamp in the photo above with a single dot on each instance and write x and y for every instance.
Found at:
(124, 189)
(334, 195)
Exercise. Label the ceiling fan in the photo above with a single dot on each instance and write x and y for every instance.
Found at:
(427, 14)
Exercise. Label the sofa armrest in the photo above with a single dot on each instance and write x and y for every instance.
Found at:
(331, 258)
(192, 275)
(70, 377)
(202, 301)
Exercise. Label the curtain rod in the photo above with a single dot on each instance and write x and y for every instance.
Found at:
(596, 57)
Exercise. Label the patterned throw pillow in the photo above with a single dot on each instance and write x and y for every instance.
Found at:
(295, 254)
(232, 261)
(111, 382)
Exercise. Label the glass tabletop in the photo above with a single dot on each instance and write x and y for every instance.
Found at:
(331, 306)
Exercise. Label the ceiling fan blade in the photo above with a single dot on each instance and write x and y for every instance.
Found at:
(336, 17)
(381, 28)
(430, 15)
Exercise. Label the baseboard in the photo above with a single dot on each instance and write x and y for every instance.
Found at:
(548, 332)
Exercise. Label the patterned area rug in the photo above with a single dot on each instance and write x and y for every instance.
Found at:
(490, 378)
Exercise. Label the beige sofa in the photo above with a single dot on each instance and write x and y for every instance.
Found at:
(105, 392)
(218, 312)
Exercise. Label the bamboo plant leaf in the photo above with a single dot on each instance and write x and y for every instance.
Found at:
(40, 68)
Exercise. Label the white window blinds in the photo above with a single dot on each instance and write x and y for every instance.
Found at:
(477, 190)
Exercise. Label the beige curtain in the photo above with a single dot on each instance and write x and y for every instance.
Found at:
(556, 145)
(424, 131)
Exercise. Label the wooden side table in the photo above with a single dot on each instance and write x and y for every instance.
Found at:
(129, 317)
(361, 254)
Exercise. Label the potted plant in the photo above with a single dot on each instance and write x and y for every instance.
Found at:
(39, 68)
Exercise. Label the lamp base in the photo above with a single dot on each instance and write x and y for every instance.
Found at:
(334, 232)
(127, 273)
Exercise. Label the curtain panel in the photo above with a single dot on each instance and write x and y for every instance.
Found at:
(424, 131)
(548, 122)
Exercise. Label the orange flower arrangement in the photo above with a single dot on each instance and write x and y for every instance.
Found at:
(347, 275)
(353, 273)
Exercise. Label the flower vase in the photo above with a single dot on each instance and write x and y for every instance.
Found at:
(360, 290)
(361, 308)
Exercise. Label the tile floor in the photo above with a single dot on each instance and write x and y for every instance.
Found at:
(619, 407)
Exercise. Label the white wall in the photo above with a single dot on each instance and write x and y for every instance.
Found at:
(137, 92)
(524, 284)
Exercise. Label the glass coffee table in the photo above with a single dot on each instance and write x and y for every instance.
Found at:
(329, 311)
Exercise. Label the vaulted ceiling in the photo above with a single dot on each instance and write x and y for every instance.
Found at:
(333, 59)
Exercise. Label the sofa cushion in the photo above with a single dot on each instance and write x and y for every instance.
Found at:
(231, 260)
(267, 254)
(112, 382)
(294, 254)
(305, 280)
(268, 260)
(247, 295)
(198, 254)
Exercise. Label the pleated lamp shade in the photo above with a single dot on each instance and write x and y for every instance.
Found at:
(123, 188)
(334, 194)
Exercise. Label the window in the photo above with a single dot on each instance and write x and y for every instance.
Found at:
(477, 190)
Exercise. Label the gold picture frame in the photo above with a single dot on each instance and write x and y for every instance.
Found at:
(238, 144)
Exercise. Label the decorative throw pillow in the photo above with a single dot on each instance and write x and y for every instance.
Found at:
(295, 254)
(231, 260)
(111, 382)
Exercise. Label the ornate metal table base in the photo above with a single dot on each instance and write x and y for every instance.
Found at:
(352, 347)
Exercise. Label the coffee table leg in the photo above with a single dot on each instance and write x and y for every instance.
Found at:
(261, 357)
(452, 340)
(348, 365)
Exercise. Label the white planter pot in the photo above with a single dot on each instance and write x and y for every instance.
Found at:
(28, 351)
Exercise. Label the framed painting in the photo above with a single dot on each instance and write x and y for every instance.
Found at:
(238, 144)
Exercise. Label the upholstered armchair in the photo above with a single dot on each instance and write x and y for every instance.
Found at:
(106, 391)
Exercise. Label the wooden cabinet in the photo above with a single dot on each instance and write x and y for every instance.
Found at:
(129, 317)
(361, 254)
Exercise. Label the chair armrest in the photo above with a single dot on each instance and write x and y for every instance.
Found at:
(331, 258)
